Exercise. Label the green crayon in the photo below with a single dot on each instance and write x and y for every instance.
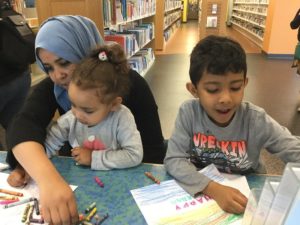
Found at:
(91, 206)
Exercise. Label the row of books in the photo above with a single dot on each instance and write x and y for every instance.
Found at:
(171, 18)
(278, 202)
(120, 11)
(168, 32)
(132, 39)
(142, 60)
(172, 4)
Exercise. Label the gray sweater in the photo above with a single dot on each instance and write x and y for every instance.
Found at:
(116, 139)
(196, 142)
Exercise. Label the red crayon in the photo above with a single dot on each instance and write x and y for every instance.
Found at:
(99, 182)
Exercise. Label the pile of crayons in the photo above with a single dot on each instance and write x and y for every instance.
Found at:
(11, 199)
(90, 214)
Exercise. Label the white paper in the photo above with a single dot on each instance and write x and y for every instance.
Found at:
(13, 215)
(167, 203)
(3, 166)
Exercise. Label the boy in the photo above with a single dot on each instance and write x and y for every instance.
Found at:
(218, 127)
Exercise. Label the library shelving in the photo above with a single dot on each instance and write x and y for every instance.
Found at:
(130, 23)
(249, 18)
(167, 20)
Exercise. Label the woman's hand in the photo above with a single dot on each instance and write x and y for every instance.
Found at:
(58, 203)
(18, 177)
(229, 199)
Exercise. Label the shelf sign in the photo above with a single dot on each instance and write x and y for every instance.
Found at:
(214, 8)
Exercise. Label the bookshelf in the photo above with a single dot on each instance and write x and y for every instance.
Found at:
(249, 18)
(167, 20)
(130, 23)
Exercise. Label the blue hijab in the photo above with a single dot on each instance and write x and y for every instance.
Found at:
(70, 38)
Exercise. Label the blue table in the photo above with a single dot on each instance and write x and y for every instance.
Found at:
(115, 198)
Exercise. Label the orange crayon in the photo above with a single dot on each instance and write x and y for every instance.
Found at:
(148, 174)
(11, 192)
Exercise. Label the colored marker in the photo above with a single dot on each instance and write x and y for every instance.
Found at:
(11, 192)
(149, 175)
(99, 182)
(18, 203)
(90, 207)
(92, 213)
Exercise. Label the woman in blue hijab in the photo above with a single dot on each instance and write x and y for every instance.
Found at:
(62, 42)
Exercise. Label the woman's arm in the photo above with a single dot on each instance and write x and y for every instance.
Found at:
(142, 104)
(31, 122)
(57, 199)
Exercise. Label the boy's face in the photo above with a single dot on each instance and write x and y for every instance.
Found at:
(220, 95)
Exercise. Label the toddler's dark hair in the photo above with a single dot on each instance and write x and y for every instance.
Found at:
(108, 75)
(217, 55)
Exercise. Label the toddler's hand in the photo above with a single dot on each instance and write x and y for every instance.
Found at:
(229, 199)
(18, 177)
(83, 156)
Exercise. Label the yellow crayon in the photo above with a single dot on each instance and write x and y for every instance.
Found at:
(92, 213)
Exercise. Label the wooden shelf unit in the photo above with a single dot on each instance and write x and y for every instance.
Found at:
(93, 9)
(249, 18)
(164, 10)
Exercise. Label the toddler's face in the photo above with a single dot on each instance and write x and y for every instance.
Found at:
(221, 95)
(86, 105)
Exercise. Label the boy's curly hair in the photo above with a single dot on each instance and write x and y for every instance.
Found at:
(216, 55)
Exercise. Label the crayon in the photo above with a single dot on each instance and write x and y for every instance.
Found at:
(86, 223)
(29, 214)
(102, 219)
(18, 203)
(7, 197)
(92, 213)
(36, 206)
(11, 192)
(5, 202)
(90, 207)
(33, 220)
(25, 213)
(99, 182)
(149, 175)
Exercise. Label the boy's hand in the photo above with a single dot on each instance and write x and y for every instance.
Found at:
(82, 155)
(229, 199)
(58, 203)
(18, 177)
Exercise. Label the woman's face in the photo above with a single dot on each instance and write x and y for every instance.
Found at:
(59, 69)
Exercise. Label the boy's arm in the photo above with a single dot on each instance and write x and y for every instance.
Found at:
(130, 152)
(176, 161)
(277, 139)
